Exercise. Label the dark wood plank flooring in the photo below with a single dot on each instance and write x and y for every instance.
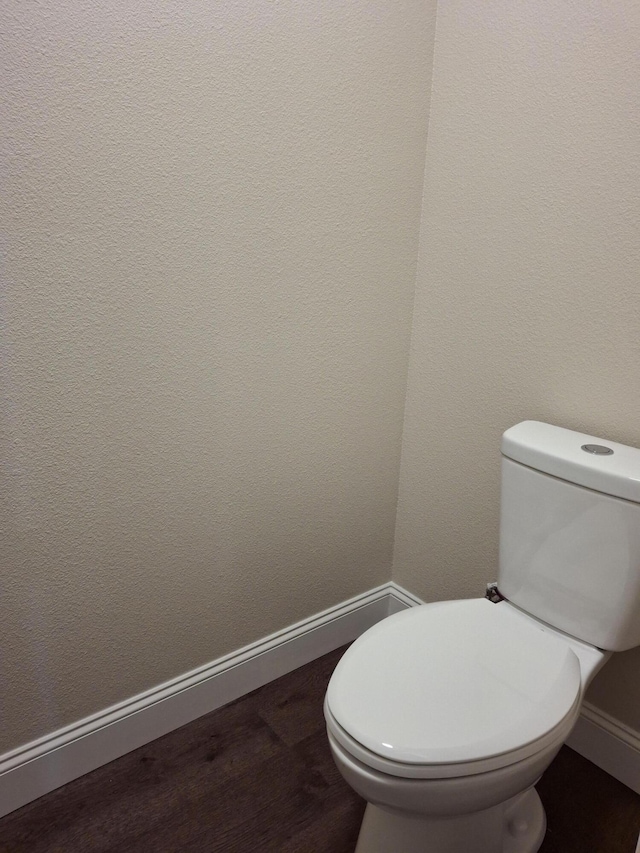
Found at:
(257, 777)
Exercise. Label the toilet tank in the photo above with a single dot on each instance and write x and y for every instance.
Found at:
(570, 532)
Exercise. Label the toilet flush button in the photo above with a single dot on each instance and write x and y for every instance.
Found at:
(597, 449)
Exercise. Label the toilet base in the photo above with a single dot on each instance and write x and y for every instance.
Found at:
(517, 826)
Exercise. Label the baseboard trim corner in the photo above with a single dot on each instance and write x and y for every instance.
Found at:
(400, 598)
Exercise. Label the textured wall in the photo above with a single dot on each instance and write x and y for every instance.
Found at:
(210, 217)
(527, 302)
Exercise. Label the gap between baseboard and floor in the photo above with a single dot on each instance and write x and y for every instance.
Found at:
(35, 769)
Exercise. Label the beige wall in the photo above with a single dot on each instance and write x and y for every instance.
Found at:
(528, 296)
(211, 220)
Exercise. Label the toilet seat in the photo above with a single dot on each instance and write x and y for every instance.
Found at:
(453, 689)
(549, 744)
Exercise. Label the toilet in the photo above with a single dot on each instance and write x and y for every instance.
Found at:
(444, 717)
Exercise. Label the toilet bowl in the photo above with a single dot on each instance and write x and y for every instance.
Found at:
(446, 747)
(443, 717)
(474, 814)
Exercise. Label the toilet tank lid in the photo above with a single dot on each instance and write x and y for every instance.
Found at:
(559, 452)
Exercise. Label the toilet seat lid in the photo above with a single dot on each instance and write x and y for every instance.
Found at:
(455, 681)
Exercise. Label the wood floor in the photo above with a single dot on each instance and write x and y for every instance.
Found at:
(257, 777)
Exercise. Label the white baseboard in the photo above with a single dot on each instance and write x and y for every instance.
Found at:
(41, 766)
(609, 744)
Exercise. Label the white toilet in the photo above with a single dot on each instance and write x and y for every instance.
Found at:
(444, 716)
